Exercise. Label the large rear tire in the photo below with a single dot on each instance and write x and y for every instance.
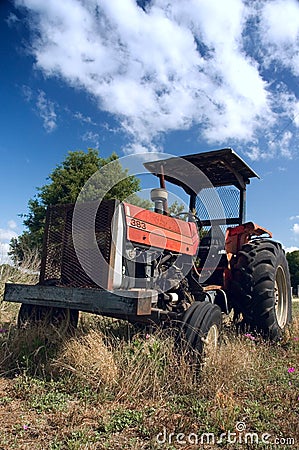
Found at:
(201, 328)
(261, 288)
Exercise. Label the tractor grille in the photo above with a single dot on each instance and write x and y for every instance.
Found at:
(59, 259)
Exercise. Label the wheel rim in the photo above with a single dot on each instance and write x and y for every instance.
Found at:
(211, 341)
(281, 297)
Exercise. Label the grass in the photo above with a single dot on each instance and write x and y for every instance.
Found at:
(114, 387)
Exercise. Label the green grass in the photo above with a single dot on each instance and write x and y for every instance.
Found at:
(114, 387)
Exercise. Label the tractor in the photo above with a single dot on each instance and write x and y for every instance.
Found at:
(146, 266)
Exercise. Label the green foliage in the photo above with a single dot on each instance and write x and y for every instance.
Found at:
(293, 260)
(49, 401)
(26, 247)
(124, 418)
(7, 272)
(134, 199)
(65, 184)
(175, 209)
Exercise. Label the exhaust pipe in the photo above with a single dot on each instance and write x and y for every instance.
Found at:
(159, 196)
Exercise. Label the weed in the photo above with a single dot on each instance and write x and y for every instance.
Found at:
(88, 359)
(124, 418)
(5, 400)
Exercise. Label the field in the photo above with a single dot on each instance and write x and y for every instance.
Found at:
(113, 386)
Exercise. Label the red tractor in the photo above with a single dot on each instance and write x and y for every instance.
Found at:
(122, 261)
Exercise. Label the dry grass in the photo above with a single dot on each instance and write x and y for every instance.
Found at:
(27, 273)
(113, 387)
(89, 360)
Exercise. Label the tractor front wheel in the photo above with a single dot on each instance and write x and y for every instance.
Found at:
(201, 329)
(261, 288)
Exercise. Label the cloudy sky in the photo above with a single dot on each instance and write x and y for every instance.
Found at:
(139, 76)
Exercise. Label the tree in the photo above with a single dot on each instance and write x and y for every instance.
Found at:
(293, 260)
(65, 184)
(176, 208)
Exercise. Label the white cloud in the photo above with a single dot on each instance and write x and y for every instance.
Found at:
(175, 65)
(92, 138)
(291, 249)
(294, 217)
(283, 144)
(7, 234)
(4, 249)
(46, 111)
(44, 107)
(139, 148)
(106, 126)
(295, 228)
(12, 224)
(279, 31)
(12, 19)
(288, 102)
(27, 93)
(255, 153)
(84, 119)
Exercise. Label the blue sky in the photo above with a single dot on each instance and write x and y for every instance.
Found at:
(177, 77)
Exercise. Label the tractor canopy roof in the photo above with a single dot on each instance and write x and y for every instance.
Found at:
(222, 167)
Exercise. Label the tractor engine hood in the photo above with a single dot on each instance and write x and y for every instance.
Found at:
(159, 231)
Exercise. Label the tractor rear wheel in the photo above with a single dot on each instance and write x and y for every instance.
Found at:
(201, 328)
(261, 288)
(61, 321)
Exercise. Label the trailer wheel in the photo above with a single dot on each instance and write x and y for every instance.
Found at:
(60, 320)
(261, 288)
(201, 328)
